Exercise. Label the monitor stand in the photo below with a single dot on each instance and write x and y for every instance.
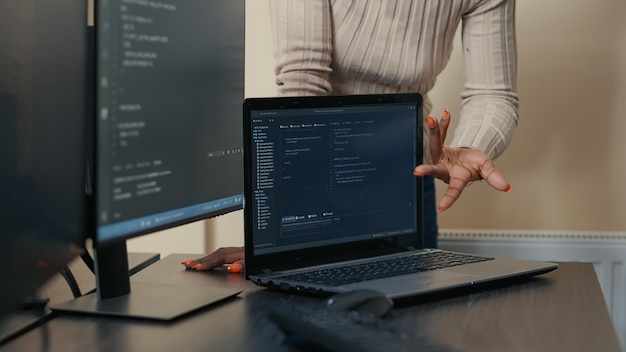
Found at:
(25, 319)
(117, 296)
(153, 301)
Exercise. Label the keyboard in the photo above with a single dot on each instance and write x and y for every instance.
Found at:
(388, 267)
(347, 330)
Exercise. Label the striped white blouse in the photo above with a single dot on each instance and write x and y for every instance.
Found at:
(383, 46)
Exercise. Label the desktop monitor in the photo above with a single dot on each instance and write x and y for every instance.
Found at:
(168, 87)
(42, 136)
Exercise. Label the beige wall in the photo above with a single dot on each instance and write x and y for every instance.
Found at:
(567, 159)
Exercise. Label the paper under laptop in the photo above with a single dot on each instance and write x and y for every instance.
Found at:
(328, 182)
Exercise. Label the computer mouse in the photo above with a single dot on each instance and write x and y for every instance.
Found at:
(362, 301)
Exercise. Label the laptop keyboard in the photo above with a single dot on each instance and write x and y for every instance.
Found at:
(383, 268)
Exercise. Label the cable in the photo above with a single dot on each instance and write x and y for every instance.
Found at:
(88, 260)
(71, 281)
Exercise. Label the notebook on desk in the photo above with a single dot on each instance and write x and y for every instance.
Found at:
(329, 191)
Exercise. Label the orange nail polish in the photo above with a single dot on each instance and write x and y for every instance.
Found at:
(446, 114)
(431, 121)
(510, 189)
(234, 268)
(196, 266)
(187, 262)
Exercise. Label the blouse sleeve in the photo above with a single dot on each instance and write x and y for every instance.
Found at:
(489, 107)
(302, 38)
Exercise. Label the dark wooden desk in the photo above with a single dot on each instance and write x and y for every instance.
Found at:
(561, 311)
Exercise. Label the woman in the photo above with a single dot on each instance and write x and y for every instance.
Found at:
(326, 47)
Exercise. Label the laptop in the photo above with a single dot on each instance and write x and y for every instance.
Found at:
(330, 193)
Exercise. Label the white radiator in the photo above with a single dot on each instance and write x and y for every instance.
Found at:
(606, 250)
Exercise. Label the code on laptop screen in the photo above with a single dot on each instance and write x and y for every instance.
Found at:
(332, 175)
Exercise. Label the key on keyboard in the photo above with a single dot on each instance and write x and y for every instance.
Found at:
(347, 330)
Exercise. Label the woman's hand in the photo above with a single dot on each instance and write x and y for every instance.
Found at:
(458, 167)
(227, 255)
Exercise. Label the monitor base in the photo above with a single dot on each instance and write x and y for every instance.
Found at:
(153, 301)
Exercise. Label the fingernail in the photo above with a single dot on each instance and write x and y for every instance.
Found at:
(418, 173)
(446, 114)
(431, 121)
(234, 268)
(196, 266)
(510, 189)
(187, 262)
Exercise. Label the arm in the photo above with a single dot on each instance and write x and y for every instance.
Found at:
(489, 105)
(302, 37)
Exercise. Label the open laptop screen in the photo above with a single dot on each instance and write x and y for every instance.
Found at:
(331, 173)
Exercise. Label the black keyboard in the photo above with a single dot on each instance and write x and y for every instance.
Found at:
(347, 331)
(422, 261)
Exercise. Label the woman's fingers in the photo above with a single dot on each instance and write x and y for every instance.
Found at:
(435, 143)
(437, 131)
(443, 125)
(494, 178)
(458, 167)
(236, 267)
(226, 255)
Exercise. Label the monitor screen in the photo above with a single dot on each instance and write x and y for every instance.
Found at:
(168, 88)
(42, 136)
(169, 93)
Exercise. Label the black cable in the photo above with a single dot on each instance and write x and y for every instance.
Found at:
(71, 281)
(69, 277)
(88, 260)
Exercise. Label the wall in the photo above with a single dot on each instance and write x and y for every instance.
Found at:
(567, 159)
